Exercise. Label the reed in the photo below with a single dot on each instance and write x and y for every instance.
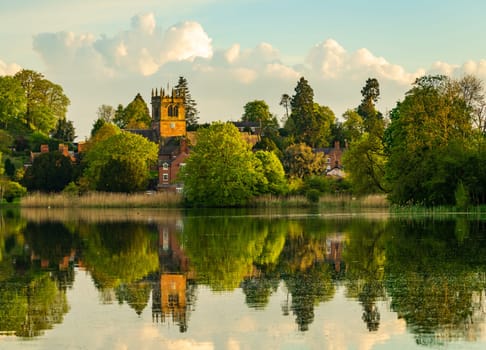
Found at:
(326, 201)
(102, 200)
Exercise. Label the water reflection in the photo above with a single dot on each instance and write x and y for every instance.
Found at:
(431, 273)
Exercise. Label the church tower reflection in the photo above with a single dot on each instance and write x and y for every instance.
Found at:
(174, 293)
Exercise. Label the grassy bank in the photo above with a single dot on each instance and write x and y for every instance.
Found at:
(102, 200)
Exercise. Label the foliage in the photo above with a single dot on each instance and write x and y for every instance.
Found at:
(222, 170)
(119, 161)
(46, 101)
(97, 126)
(64, 131)
(13, 103)
(353, 125)
(106, 113)
(365, 159)
(372, 119)
(6, 141)
(364, 162)
(309, 122)
(273, 172)
(190, 106)
(136, 115)
(258, 111)
(300, 161)
(462, 196)
(11, 190)
(50, 172)
(428, 142)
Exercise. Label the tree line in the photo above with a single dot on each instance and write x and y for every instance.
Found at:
(428, 150)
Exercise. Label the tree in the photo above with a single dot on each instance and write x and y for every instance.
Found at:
(190, 105)
(119, 160)
(221, 170)
(13, 103)
(365, 159)
(46, 101)
(97, 125)
(427, 141)
(6, 141)
(372, 119)
(285, 103)
(136, 115)
(273, 171)
(364, 162)
(309, 122)
(257, 111)
(64, 131)
(50, 172)
(353, 125)
(106, 113)
(300, 161)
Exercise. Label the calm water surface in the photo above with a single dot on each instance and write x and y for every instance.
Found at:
(240, 280)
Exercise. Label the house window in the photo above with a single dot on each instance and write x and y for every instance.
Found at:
(328, 160)
(165, 166)
(165, 177)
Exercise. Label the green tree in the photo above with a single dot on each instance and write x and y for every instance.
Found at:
(257, 111)
(120, 161)
(136, 115)
(221, 170)
(190, 105)
(309, 122)
(353, 125)
(372, 119)
(97, 126)
(300, 161)
(365, 160)
(273, 171)
(64, 130)
(430, 132)
(6, 141)
(13, 103)
(46, 101)
(50, 172)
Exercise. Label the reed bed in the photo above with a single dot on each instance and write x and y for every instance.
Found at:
(102, 200)
(327, 201)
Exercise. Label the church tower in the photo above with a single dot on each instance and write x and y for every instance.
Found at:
(168, 113)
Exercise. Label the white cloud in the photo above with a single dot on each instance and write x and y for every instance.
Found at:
(141, 50)
(186, 41)
(232, 53)
(329, 60)
(9, 68)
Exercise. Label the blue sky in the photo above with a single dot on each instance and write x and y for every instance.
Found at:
(233, 52)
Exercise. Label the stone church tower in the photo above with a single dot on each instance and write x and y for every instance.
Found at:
(168, 113)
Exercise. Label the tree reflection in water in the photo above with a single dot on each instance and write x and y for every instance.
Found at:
(430, 272)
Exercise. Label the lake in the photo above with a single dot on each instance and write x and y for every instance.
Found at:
(240, 279)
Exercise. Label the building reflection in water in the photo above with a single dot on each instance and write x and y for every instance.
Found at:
(174, 294)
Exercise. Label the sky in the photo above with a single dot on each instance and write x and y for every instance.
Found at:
(234, 52)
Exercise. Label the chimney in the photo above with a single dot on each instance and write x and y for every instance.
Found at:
(336, 145)
(183, 146)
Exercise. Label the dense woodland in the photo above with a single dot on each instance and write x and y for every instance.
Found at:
(428, 150)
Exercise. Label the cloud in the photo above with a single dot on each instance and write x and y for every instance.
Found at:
(142, 49)
(329, 60)
(8, 68)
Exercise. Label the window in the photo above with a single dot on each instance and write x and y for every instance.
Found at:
(165, 177)
(169, 111)
(328, 160)
(172, 125)
(165, 166)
